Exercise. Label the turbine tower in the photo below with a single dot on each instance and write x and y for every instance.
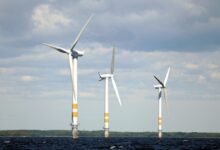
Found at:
(161, 87)
(106, 77)
(73, 55)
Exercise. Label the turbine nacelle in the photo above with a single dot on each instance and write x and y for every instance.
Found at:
(106, 76)
(77, 53)
(158, 86)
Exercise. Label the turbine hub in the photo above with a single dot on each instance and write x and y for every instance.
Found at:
(74, 54)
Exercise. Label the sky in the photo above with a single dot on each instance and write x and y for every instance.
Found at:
(149, 35)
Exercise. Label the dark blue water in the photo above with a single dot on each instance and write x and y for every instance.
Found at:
(45, 143)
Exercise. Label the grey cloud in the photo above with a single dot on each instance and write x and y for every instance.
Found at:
(141, 25)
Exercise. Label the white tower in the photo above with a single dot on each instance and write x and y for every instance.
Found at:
(161, 87)
(106, 77)
(73, 56)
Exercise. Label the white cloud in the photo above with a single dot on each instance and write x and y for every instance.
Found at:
(191, 8)
(191, 66)
(214, 21)
(201, 78)
(87, 71)
(26, 78)
(64, 72)
(141, 16)
(14, 71)
(46, 19)
(61, 92)
(81, 71)
(215, 74)
(5, 70)
(212, 66)
(87, 94)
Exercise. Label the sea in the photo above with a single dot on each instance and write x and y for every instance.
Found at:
(95, 143)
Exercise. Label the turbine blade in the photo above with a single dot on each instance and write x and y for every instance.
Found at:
(116, 90)
(167, 75)
(113, 60)
(160, 94)
(161, 83)
(80, 33)
(165, 98)
(60, 49)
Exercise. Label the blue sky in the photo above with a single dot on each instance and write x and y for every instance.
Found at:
(150, 35)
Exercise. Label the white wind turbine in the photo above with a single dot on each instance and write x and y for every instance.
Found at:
(106, 77)
(73, 57)
(162, 90)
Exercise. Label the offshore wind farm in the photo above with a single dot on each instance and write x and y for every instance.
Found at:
(70, 97)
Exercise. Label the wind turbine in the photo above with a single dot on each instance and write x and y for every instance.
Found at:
(106, 77)
(162, 90)
(73, 55)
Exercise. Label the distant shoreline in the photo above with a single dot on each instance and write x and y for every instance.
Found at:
(67, 133)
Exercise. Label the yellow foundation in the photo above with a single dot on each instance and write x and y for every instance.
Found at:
(160, 121)
(74, 106)
(75, 114)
